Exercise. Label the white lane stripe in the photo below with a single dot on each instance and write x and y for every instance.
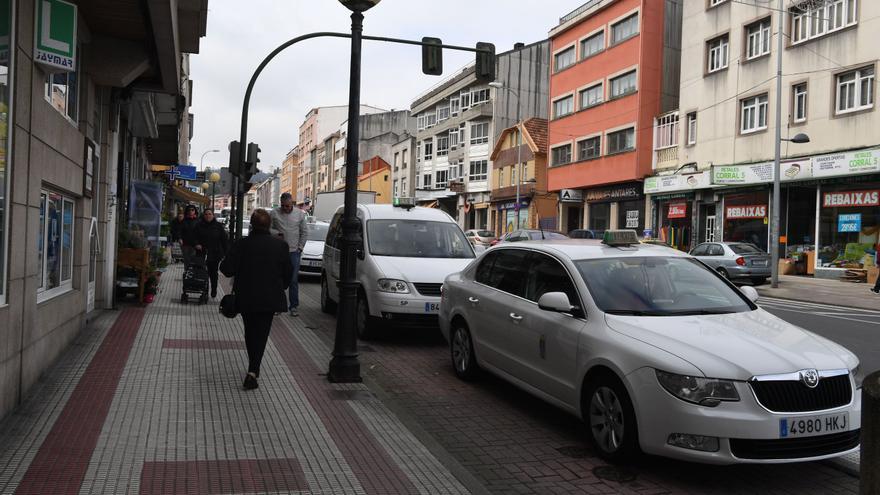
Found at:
(804, 304)
(826, 315)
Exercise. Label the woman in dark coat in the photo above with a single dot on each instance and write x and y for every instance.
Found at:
(212, 243)
(261, 266)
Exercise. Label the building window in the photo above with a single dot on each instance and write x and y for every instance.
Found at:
(430, 119)
(465, 97)
(442, 113)
(454, 106)
(480, 133)
(55, 244)
(691, 129)
(623, 85)
(403, 158)
(666, 131)
(855, 90)
(809, 20)
(593, 45)
(563, 106)
(719, 49)
(403, 188)
(62, 91)
(429, 149)
(453, 171)
(713, 3)
(564, 59)
(561, 155)
(479, 96)
(621, 141)
(442, 145)
(589, 148)
(454, 139)
(625, 29)
(800, 102)
(592, 96)
(754, 114)
(440, 179)
(420, 121)
(758, 39)
(396, 190)
(479, 170)
(426, 181)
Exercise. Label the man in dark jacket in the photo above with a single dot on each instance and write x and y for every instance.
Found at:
(261, 266)
(188, 237)
(177, 227)
(212, 243)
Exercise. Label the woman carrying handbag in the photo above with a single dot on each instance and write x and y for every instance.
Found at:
(262, 271)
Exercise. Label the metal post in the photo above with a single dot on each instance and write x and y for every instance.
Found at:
(774, 220)
(344, 366)
(518, 158)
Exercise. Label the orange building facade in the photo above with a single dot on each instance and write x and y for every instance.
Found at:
(606, 86)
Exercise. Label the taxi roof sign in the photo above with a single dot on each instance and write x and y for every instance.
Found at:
(404, 202)
(620, 237)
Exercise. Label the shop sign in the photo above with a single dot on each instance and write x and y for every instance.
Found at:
(632, 219)
(760, 173)
(620, 193)
(456, 186)
(851, 198)
(677, 210)
(55, 44)
(683, 182)
(510, 205)
(753, 211)
(851, 222)
(857, 162)
(571, 196)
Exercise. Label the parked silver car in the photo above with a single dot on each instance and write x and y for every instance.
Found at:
(737, 261)
(480, 237)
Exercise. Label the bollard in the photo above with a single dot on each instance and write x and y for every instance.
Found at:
(870, 449)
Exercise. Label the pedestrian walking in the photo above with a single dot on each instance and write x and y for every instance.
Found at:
(289, 223)
(260, 265)
(177, 226)
(212, 243)
(188, 238)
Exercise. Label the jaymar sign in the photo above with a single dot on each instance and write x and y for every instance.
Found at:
(851, 198)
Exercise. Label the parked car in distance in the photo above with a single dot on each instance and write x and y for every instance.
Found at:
(480, 237)
(530, 235)
(406, 253)
(311, 261)
(583, 234)
(655, 352)
(737, 261)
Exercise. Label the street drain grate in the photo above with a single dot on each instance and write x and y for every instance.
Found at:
(574, 451)
(351, 395)
(614, 473)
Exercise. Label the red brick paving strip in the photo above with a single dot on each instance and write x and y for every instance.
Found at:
(202, 344)
(62, 460)
(216, 477)
(375, 469)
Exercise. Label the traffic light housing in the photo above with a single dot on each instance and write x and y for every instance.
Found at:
(251, 161)
(432, 56)
(234, 158)
(485, 62)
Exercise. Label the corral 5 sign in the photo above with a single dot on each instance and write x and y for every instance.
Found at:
(55, 43)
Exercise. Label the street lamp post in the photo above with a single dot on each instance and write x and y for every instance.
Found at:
(498, 85)
(213, 179)
(202, 160)
(344, 366)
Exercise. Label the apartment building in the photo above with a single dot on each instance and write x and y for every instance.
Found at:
(457, 122)
(615, 65)
(714, 155)
(378, 133)
(403, 162)
(289, 168)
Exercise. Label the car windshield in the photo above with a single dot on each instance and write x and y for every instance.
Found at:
(743, 248)
(317, 231)
(658, 286)
(485, 233)
(417, 239)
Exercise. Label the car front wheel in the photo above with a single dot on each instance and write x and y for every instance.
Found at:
(608, 413)
(461, 348)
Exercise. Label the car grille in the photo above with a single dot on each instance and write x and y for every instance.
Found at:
(794, 448)
(428, 289)
(794, 396)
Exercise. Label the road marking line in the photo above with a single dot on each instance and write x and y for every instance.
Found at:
(788, 302)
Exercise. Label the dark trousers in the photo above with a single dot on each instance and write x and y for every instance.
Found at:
(877, 284)
(256, 334)
(213, 266)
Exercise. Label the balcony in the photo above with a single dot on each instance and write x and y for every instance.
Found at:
(666, 131)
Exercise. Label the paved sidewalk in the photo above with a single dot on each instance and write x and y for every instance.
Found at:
(149, 401)
(822, 291)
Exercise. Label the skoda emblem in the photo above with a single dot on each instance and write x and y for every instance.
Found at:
(810, 377)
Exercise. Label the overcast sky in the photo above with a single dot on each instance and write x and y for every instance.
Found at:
(314, 73)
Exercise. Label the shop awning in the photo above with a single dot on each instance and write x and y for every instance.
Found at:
(185, 195)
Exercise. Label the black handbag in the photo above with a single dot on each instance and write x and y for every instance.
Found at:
(227, 306)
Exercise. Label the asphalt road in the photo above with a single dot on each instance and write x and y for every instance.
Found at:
(856, 329)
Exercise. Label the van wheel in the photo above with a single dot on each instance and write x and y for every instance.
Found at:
(366, 326)
(327, 305)
(610, 418)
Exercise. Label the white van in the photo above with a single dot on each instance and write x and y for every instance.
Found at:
(406, 254)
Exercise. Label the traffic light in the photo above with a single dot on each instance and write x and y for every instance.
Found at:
(485, 65)
(251, 161)
(234, 157)
(432, 56)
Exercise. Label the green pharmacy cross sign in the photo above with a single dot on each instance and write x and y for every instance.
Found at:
(55, 43)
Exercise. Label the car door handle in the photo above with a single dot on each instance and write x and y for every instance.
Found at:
(515, 317)
(473, 300)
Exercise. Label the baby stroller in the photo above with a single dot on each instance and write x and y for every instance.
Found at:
(195, 279)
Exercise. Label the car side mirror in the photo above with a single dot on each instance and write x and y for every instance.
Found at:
(749, 292)
(555, 301)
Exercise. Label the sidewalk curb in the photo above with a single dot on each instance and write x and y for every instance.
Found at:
(789, 298)
(468, 480)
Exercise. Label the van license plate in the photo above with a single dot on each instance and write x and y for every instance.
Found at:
(811, 426)
(432, 307)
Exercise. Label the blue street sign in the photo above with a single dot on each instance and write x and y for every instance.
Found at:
(186, 172)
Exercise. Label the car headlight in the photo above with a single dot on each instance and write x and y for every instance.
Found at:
(858, 375)
(393, 285)
(698, 390)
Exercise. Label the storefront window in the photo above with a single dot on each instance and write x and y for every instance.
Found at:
(600, 217)
(849, 223)
(746, 218)
(55, 244)
(631, 215)
(675, 224)
(5, 62)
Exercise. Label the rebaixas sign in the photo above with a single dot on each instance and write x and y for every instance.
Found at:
(55, 33)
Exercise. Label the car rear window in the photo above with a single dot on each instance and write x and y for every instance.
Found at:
(485, 233)
(741, 248)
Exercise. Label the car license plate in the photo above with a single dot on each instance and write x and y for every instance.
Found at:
(311, 263)
(759, 263)
(432, 307)
(811, 426)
